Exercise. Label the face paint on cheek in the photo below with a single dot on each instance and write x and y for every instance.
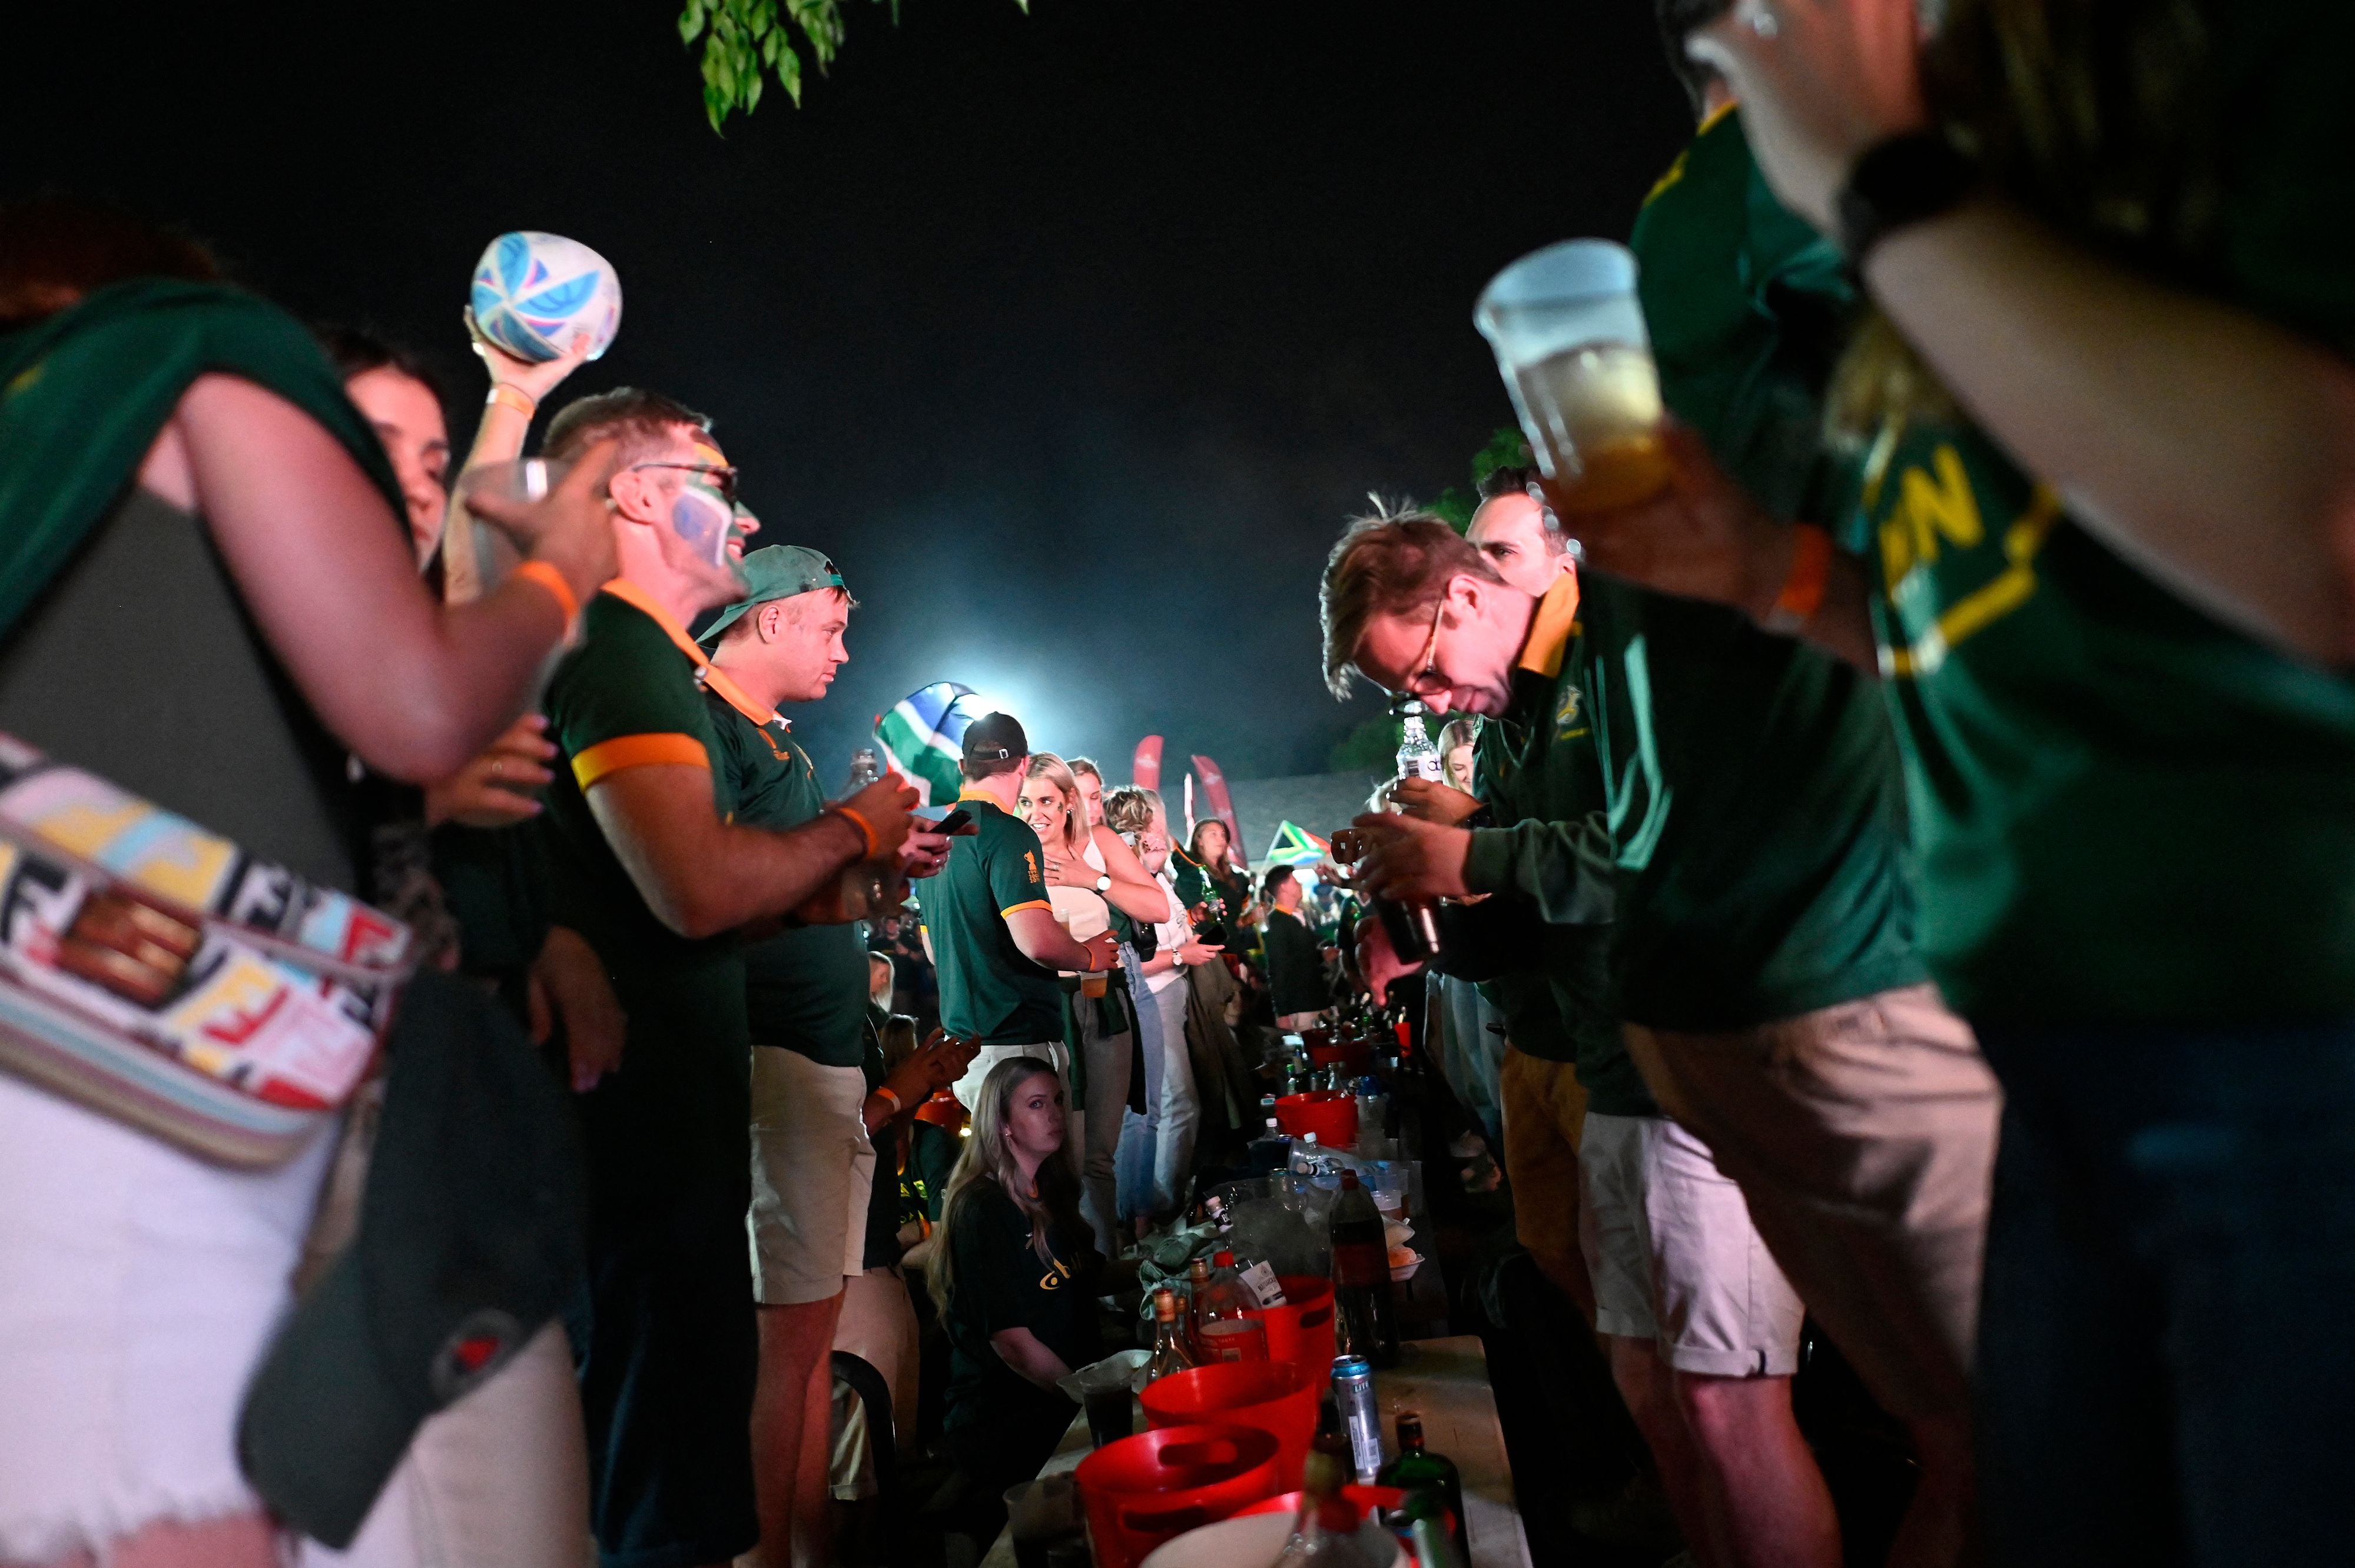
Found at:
(704, 522)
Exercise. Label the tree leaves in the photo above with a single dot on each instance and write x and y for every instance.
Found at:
(745, 42)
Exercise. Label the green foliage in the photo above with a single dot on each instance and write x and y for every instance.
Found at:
(1508, 447)
(745, 42)
(1456, 505)
(1371, 747)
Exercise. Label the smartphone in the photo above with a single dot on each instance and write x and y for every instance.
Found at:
(955, 822)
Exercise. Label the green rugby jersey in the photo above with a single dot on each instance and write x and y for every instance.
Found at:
(805, 987)
(1775, 885)
(990, 992)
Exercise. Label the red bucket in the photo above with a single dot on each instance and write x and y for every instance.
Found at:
(1330, 1114)
(1352, 1055)
(1301, 1332)
(1278, 1397)
(1145, 1489)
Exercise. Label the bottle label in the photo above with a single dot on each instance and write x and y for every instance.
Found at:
(1265, 1288)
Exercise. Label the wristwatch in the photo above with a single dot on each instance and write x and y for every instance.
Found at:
(1898, 183)
(1103, 882)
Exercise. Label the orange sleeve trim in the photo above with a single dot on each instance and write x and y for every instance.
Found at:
(608, 757)
(1018, 908)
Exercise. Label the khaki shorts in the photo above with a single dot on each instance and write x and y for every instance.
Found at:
(1674, 1255)
(812, 1168)
(1543, 1108)
(1864, 1137)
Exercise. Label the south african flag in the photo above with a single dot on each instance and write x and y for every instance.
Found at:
(1296, 845)
(923, 738)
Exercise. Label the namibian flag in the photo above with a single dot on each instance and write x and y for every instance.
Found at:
(1296, 845)
(923, 738)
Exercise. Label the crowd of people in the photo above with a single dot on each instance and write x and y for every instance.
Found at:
(1895, 874)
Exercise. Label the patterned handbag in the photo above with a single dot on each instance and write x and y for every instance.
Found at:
(159, 974)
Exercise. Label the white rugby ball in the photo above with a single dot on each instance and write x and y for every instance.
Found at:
(538, 295)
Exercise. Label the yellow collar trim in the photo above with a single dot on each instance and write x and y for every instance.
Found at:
(976, 792)
(638, 598)
(1716, 114)
(1550, 629)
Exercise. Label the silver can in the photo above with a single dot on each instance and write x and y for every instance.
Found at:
(1353, 1396)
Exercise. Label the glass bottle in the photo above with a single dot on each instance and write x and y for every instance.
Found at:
(1365, 1320)
(1418, 1470)
(1169, 1351)
(1324, 1529)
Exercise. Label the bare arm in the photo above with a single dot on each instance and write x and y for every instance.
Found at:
(2212, 448)
(1044, 942)
(326, 570)
(499, 438)
(700, 875)
(1135, 892)
(1032, 1361)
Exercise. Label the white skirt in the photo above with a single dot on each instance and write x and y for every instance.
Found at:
(138, 1289)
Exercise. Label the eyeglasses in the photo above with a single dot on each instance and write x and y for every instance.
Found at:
(1419, 684)
(721, 477)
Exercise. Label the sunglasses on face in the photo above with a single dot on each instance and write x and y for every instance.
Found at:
(718, 476)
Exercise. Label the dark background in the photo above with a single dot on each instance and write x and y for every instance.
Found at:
(1072, 336)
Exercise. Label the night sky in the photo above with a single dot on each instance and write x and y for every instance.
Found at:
(1072, 337)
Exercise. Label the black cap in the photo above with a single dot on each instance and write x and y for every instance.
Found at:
(470, 1239)
(994, 737)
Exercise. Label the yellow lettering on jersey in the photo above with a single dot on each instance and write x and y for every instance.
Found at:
(1989, 603)
(1030, 861)
(1928, 510)
(1053, 1278)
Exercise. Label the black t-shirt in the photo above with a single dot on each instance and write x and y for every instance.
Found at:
(1001, 1284)
(1296, 967)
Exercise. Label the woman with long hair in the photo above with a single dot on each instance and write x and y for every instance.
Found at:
(1104, 1026)
(2103, 409)
(185, 470)
(1012, 1278)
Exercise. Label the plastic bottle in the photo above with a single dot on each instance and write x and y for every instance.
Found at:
(1224, 1328)
(1365, 1320)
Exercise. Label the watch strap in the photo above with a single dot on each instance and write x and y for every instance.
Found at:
(1898, 183)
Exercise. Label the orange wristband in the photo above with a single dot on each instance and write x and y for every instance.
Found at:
(551, 580)
(1803, 590)
(512, 397)
(866, 829)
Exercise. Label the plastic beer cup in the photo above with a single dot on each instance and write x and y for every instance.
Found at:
(1570, 340)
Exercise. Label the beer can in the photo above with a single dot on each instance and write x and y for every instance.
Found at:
(1353, 1396)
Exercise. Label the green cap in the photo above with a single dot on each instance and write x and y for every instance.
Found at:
(776, 571)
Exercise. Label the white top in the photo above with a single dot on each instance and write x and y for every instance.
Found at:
(1083, 909)
(1170, 935)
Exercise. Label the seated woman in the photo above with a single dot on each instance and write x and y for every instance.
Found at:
(1013, 1276)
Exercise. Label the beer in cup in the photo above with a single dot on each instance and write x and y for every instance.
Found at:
(1570, 340)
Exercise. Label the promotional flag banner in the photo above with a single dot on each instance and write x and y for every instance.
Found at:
(1296, 845)
(923, 738)
(1144, 768)
(1214, 786)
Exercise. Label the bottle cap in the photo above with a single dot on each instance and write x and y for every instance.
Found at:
(1409, 1429)
(1224, 1259)
(1199, 1269)
(1348, 1176)
(1165, 1305)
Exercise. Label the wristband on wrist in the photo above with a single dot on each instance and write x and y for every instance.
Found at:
(1897, 183)
(513, 397)
(865, 829)
(1803, 590)
(885, 1091)
(551, 580)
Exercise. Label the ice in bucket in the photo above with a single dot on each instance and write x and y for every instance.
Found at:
(1570, 340)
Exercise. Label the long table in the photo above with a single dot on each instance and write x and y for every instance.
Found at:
(1446, 1381)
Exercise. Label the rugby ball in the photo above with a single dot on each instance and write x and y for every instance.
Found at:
(539, 295)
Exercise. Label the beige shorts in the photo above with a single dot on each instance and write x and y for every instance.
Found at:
(1674, 1256)
(812, 1168)
(1864, 1138)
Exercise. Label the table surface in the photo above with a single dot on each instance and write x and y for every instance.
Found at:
(1446, 1381)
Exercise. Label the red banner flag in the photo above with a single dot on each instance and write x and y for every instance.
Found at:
(1214, 786)
(1144, 768)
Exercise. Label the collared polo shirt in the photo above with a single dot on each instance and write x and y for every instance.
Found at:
(990, 991)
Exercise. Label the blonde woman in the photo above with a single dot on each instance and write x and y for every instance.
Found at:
(1011, 1277)
(1103, 1024)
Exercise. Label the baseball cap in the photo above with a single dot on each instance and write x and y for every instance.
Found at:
(993, 738)
(776, 571)
(470, 1239)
